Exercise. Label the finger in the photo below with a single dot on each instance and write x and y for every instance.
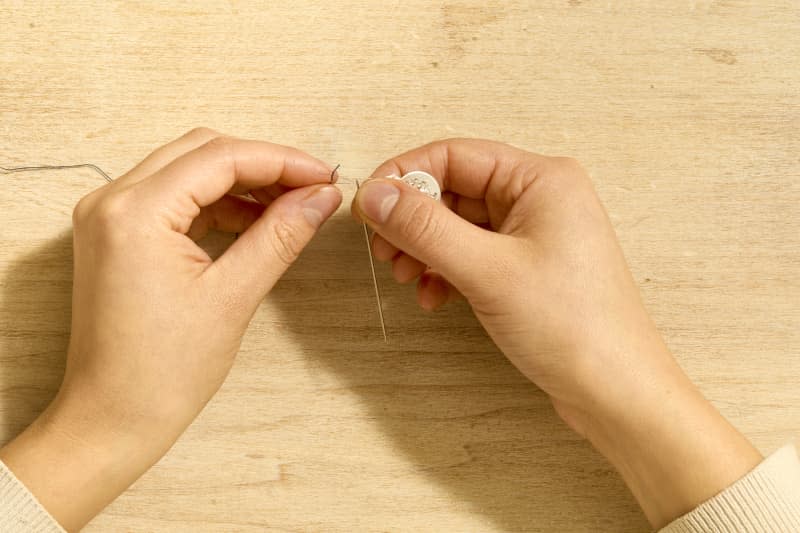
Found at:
(233, 214)
(252, 264)
(262, 196)
(382, 249)
(405, 268)
(203, 175)
(164, 155)
(464, 166)
(428, 231)
(274, 190)
(483, 170)
(467, 208)
(267, 194)
(433, 291)
(470, 209)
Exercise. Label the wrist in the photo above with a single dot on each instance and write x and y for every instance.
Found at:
(671, 446)
(76, 462)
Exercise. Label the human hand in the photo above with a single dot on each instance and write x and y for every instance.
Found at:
(526, 240)
(155, 322)
(549, 282)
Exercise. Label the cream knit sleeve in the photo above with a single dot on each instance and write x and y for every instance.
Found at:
(20, 511)
(767, 500)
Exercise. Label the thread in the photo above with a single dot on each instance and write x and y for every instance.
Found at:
(92, 166)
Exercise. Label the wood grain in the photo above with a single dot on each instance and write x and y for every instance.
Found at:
(686, 112)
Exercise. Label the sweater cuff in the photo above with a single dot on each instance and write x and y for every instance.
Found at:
(765, 500)
(20, 511)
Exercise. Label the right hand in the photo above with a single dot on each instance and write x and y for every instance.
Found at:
(526, 240)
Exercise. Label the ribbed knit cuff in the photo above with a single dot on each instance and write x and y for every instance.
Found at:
(766, 500)
(20, 511)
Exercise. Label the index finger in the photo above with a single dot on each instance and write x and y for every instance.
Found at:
(463, 166)
(203, 175)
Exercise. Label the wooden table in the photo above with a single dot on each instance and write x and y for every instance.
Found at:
(686, 112)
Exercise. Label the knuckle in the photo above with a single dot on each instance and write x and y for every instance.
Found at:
(220, 149)
(567, 174)
(105, 217)
(569, 167)
(221, 143)
(202, 132)
(82, 210)
(286, 242)
(566, 161)
(110, 210)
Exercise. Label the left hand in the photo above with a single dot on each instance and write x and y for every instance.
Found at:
(156, 323)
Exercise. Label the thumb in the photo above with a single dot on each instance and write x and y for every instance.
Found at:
(252, 265)
(427, 230)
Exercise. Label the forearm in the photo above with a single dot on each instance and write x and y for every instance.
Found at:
(672, 447)
(76, 464)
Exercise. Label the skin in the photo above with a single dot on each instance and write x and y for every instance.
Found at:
(523, 237)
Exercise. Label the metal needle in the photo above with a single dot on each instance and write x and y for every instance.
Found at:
(374, 278)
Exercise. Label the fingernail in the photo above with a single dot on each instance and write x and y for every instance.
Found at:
(377, 199)
(321, 204)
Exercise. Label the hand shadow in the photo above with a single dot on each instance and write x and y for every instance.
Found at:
(452, 405)
(35, 316)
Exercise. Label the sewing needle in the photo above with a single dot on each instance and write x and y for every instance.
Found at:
(374, 278)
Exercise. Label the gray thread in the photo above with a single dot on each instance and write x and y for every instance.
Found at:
(92, 166)
(12, 170)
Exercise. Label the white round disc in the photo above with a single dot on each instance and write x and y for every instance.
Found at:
(424, 183)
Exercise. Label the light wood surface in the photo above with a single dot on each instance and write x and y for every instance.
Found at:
(686, 112)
